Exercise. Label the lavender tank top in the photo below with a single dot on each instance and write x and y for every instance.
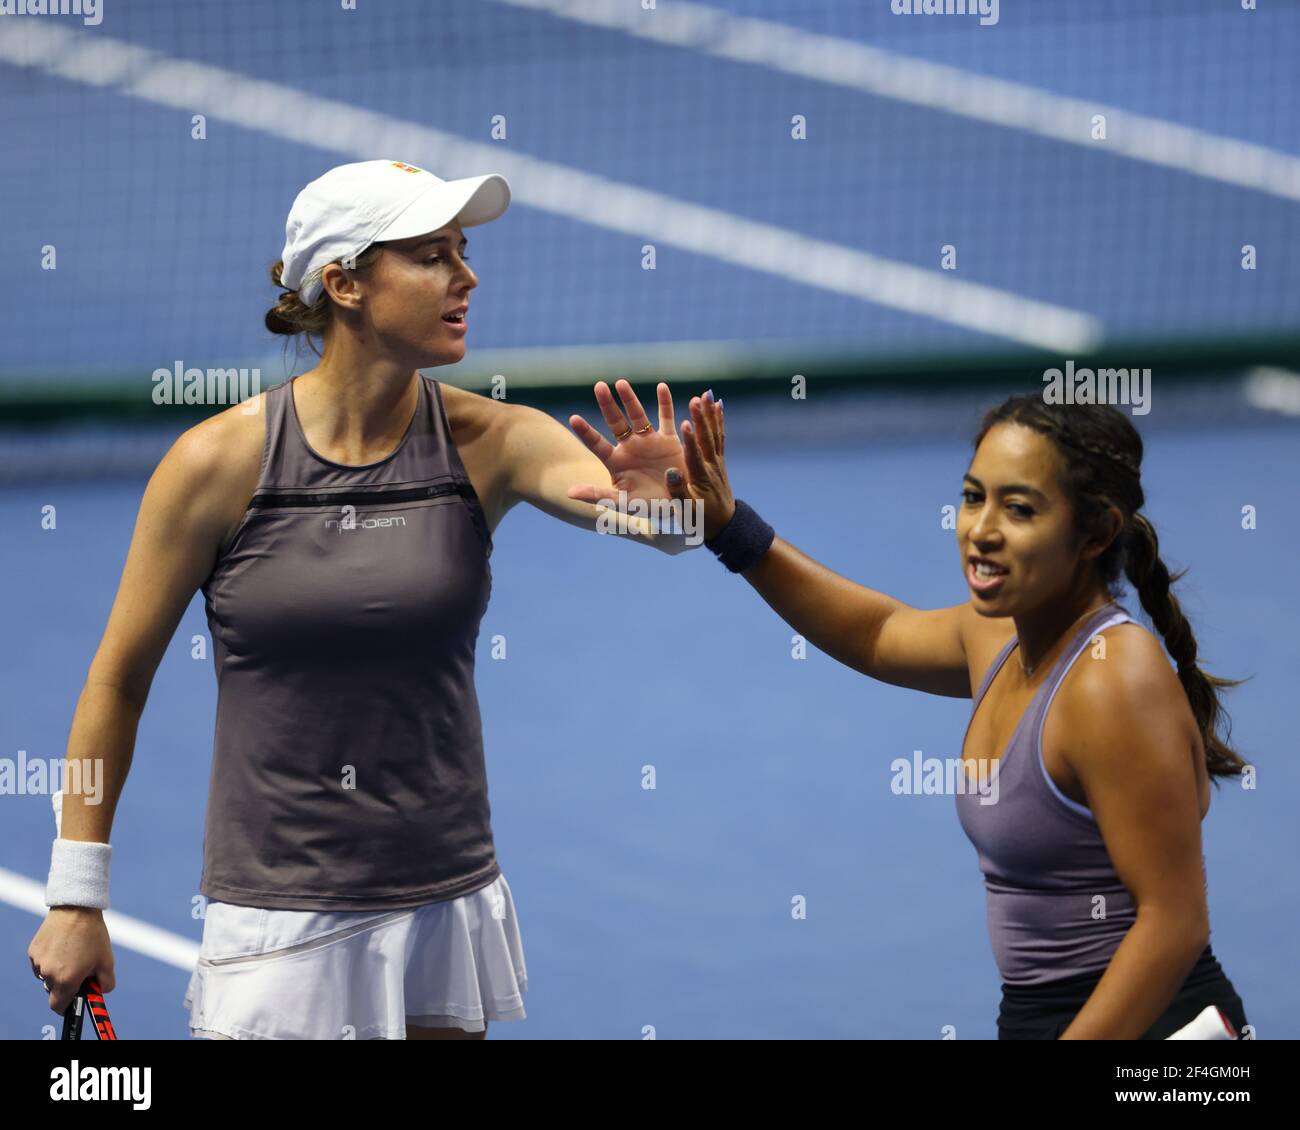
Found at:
(347, 767)
(1056, 907)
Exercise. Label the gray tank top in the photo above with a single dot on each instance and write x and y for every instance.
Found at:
(347, 768)
(1056, 907)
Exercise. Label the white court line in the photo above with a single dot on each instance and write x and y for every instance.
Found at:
(1274, 390)
(936, 86)
(293, 115)
(125, 931)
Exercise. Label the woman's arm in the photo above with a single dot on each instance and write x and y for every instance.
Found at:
(1128, 735)
(183, 516)
(863, 629)
(549, 468)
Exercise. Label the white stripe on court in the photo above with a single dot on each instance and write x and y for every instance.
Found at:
(124, 931)
(936, 86)
(1273, 389)
(322, 123)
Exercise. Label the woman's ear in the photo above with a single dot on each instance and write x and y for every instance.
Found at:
(1110, 524)
(342, 286)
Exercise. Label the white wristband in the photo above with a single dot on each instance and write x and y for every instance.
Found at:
(78, 874)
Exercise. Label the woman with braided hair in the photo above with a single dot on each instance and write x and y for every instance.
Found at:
(1102, 754)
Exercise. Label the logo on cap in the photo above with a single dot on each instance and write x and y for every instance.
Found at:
(406, 168)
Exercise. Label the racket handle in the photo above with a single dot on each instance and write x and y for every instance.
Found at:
(98, 1010)
(89, 999)
(73, 1016)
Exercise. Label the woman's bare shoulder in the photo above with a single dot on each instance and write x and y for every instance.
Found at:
(471, 414)
(1121, 711)
(227, 442)
(489, 433)
(1123, 669)
(219, 459)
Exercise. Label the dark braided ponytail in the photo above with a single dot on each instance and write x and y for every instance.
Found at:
(1102, 453)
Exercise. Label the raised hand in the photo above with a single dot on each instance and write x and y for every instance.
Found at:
(641, 456)
(704, 440)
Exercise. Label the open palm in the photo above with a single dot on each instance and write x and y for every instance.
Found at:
(638, 462)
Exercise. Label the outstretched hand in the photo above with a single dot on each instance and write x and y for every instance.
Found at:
(704, 440)
(650, 463)
(641, 457)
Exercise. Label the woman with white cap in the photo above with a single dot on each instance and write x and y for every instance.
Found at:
(339, 526)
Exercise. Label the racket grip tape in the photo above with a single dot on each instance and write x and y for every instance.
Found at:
(89, 999)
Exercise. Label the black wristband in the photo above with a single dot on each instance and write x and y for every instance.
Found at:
(743, 540)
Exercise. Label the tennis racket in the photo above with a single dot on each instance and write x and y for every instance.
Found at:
(89, 999)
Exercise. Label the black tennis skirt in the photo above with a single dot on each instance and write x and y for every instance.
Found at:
(1043, 1012)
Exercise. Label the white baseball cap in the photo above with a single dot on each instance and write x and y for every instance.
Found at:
(344, 211)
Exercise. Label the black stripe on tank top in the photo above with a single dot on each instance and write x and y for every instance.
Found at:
(364, 497)
(376, 495)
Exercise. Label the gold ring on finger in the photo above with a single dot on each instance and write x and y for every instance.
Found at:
(621, 436)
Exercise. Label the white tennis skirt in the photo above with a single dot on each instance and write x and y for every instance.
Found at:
(303, 975)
